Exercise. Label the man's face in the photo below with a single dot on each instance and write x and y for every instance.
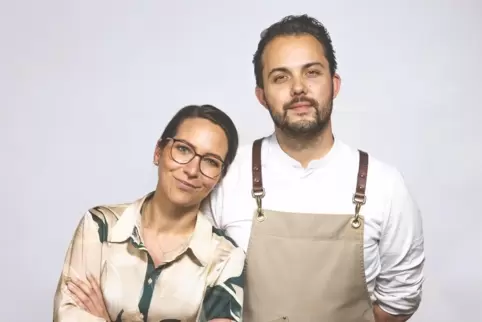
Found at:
(298, 87)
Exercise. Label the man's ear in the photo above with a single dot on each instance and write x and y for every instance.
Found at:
(260, 96)
(336, 85)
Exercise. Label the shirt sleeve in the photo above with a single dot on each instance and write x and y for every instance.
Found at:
(83, 256)
(224, 297)
(398, 287)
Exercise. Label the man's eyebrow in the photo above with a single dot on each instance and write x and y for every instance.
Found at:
(313, 64)
(286, 70)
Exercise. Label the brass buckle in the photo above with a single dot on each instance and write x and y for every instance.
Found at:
(359, 201)
(258, 196)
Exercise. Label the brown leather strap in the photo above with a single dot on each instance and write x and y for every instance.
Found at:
(359, 196)
(258, 189)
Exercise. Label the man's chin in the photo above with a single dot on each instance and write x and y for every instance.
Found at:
(301, 122)
(303, 128)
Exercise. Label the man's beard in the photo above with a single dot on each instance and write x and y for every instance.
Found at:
(303, 129)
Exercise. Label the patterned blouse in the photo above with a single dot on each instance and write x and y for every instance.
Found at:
(204, 282)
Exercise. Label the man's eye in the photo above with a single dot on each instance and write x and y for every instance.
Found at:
(314, 73)
(279, 78)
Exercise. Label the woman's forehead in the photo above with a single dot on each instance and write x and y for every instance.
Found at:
(203, 135)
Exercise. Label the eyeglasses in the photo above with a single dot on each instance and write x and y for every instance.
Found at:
(183, 152)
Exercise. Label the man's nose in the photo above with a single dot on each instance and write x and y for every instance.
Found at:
(298, 87)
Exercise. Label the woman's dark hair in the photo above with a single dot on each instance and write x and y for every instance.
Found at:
(211, 113)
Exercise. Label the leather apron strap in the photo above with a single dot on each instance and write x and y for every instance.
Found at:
(258, 192)
(306, 267)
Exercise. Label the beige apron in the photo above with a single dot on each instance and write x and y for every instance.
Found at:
(306, 267)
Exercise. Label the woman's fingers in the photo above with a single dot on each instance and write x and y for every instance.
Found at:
(77, 300)
(88, 295)
(95, 287)
(82, 298)
(84, 286)
(99, 303)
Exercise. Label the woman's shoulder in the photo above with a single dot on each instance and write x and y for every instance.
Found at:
(107, 213)
(228, 262)
(226, 248)
(104, 218)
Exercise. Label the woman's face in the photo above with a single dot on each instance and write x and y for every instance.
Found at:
(190, 164)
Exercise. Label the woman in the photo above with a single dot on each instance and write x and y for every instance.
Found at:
(158, 258)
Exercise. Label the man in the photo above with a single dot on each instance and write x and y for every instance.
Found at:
(332, 234)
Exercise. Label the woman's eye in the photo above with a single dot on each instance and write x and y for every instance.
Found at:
(183, 149)
(213, 163)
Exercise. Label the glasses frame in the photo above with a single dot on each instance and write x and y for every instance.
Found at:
(201, 157)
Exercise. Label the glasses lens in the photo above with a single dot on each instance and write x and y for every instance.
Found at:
(181, 152)
(211, 167)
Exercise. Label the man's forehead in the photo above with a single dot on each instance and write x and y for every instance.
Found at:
(293, 52)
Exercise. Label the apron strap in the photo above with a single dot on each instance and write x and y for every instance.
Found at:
(258, 189)
(359, 197)
(258, 192)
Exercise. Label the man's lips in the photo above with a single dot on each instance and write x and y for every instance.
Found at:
(300, 105)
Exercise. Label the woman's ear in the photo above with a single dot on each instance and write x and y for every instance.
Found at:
(157, 153)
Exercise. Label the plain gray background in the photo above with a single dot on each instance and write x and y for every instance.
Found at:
(87, 87)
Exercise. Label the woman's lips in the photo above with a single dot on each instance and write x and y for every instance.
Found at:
(184, 185)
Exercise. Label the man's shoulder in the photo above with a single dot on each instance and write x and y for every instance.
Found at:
(241, 164)
(245, 151)
(379, 170)
(244, 156)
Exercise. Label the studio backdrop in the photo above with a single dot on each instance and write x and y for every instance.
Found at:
(86, 88)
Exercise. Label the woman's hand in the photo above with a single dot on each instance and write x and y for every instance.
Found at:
(88, 296)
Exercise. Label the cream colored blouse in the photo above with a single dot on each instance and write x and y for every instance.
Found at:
(205, 282)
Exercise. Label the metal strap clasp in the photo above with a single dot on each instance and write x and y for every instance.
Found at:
(258, 195)
(359, 200)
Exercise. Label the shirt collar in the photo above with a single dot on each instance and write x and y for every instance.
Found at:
(200, 243)
(275, 154)
(128, 223)
(128, 226)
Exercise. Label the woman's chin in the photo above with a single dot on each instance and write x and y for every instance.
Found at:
(184, 199)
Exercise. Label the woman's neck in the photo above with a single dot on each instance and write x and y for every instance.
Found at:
(160, 215)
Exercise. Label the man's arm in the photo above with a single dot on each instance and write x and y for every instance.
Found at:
(382, 316)
(398, 287)
(83, 256)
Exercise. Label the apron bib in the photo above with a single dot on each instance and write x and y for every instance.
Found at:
(306, 267)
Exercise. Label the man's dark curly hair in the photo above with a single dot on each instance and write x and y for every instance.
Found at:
(291, 26)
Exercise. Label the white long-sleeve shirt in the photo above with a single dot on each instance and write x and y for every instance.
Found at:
(393, 237)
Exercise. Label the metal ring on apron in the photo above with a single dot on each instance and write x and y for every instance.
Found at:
(355, 222)
(258, 196)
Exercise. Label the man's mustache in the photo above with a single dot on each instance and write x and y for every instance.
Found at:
(300, 99)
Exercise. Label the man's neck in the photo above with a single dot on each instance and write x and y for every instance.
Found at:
(164, 217)
(305, 150)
